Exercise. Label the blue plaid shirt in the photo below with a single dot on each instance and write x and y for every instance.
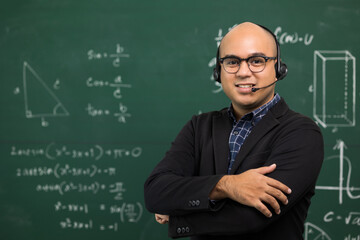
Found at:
(243, 127)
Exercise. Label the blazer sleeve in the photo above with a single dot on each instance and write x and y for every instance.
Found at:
(174, 187)
(298, 153)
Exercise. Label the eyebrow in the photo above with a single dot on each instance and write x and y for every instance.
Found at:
(251, 55)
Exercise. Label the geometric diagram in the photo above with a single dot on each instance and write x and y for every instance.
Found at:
(334, 88)
(313, 232)
(40, 100)
(340, 145)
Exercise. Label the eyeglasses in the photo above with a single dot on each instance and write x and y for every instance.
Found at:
(255, 63)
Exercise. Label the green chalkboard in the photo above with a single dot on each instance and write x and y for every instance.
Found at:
(93, 92)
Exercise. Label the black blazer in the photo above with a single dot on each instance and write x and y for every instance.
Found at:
(180, 184)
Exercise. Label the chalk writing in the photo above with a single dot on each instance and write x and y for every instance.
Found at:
(114, 227)
(128, 212)
(117, 84)
(33, 85)
(97, 55)
(313, 232)
(292, 38)
(71, 207)
(124, 212)
(70, 224)
(121, 115)
(66, 187)
(340, 146)
(117, 189)
(353, 218)
(350, 237)
(331, 67)
(94, 188)
(55, 151)
(27, 152)
(17, 91)
(63, 171)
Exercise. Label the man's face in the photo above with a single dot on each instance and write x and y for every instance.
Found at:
(244, 41)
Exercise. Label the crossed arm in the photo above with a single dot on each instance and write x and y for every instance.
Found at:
(251, 188)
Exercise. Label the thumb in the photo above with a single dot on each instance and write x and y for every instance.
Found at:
(266, 170)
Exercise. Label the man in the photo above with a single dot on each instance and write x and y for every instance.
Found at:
(246, 172)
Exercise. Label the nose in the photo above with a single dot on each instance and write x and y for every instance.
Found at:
(244, 70)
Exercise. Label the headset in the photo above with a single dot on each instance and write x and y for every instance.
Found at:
(280, 67)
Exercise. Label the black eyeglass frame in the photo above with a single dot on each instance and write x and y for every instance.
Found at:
(221, 60)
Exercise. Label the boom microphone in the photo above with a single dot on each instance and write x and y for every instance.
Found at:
(256, 89)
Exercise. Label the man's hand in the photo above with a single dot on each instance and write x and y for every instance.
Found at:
(162, 219)
(253, 188)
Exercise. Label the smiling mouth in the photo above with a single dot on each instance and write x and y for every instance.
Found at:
(244, 85)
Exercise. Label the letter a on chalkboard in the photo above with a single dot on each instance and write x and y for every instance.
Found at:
(40, 100)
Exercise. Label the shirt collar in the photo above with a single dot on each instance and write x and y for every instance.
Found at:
(258, 113)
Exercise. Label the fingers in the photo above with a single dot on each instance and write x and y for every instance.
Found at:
(279, 185)
(265, 193)
(277, 194)
(254, 189)
(277, 189)
(162, 219)
(263, 209)
(266, 170)
(273, 203)
(270, 199)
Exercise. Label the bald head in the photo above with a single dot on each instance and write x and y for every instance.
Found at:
(245, 33)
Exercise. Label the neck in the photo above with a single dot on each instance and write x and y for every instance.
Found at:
(242, 110)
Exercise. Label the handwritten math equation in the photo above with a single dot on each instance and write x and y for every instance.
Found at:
(125, 212)
(88, 183)
(116, 56)
(60, 171)
(55, 151)
(117, 84)
(115, 189)
(352, 218)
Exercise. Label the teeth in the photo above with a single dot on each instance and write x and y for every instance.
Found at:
(244, 86)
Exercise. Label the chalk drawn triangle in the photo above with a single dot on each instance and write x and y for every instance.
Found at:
(313, 232)
(40, 100)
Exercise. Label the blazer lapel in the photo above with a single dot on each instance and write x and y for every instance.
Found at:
(265, 125)
(221, 131)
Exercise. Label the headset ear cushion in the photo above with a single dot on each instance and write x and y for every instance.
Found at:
(282, 71)
(216, 74)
